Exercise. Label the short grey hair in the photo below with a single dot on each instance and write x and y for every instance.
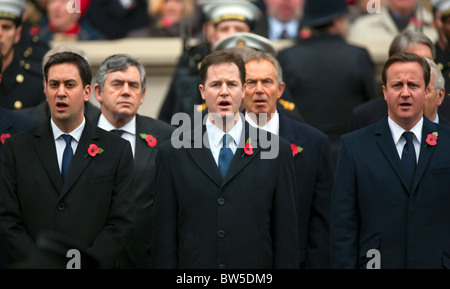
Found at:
(439, 81)
(260, 55)
(119, 62)
(410, 37)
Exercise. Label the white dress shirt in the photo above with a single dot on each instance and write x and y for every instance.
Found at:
(400, 141)
(60, 143)
(215, 136)
(129, 130)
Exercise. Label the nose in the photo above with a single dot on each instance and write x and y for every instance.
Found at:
(61, 91)
(405, 90)
(224, 90)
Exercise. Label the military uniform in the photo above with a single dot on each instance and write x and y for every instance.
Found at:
(22, 81)
(443, 62)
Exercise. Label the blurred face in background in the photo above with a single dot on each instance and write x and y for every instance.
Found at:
(9, 36)
(172, 10)
(229, 27)
(285, 10)
(59, 17)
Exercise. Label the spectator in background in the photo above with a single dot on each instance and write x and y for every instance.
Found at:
(374, 31)
(116, 18)
(281, 19)
(64, 24)
(441, 9)
(226, 17)
(21, 84)
(171, 18)
(326, 76)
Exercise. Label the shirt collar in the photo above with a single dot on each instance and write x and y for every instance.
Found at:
(215, 134)
(277, 27)
(397, 130)
(129, 127)
(76, 133)
(273, 125)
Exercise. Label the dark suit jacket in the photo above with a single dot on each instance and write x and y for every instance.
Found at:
(373, 208)
(11, 123)
(137, 253)
(327, 86)
(372, 111)
(247, 220)
(314, 176)
(94, 206)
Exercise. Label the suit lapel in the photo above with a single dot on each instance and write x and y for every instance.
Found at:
(44, 145)
(80, 160)
(203, 157)
(425, 151)
(387, 146)
(241, 159)
(143, 153)
(287, 131)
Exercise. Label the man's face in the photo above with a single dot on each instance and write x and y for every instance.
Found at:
(229, 27)
(285, 10)
(9, 36)
(262, 90)
(434, 100)
(405, 93)
(66, 95)
(223, 90)
(59, 16)
(122, 94)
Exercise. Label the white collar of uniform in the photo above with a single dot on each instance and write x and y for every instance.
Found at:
(273, 125)
(129, 127)
(215, 134)
(75, 134)
(397, 130)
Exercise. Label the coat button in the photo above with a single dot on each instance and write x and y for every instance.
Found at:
(221, 233)
(221, 266)
(61, 206)
(18, 104)
(220, 201)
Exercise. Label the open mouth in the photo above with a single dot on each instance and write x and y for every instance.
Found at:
(224, 104)
(405, 105)
(60, 105)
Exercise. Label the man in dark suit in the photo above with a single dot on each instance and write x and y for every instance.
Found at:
(280, 19)
(414, 42)
(120, 88)
(311, 151)
(390, 200)
(326, 76)
(11, 123)
(216, 205)
(46, 187)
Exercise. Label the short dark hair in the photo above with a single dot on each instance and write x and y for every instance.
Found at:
(219, 57)
(84, 69)
(407, 57)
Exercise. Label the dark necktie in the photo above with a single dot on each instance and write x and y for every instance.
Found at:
(119, 132)
(225, 156)
(67, 156)
(409, 158)
(284, 34)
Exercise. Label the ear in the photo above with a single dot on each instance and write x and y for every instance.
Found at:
(441, 96)
(18, 34)
(98, 93)
(87, 93)
(384, 91)
(200, 87)
(281, 89)
(141, 101)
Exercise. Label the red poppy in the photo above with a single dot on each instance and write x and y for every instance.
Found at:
(296, 149)
(151, 141)
(4, 136)
(305, 33)
(93, 150)
(248, 149)
(415, 21)
(431, 139)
